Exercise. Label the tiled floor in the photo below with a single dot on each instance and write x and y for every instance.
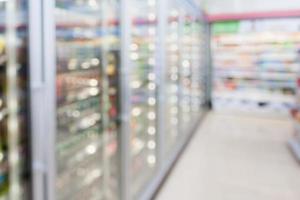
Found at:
(236, 158)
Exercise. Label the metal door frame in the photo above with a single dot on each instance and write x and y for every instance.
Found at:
(124, 133)
(42, 97)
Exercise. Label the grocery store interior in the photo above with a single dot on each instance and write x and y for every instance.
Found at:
(149, 99)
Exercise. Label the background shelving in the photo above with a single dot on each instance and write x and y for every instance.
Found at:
(263, 77)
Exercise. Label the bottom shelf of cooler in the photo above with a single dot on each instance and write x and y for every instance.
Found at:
(253, 101)
(143, 167)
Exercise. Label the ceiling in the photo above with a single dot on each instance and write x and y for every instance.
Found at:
(240, 6)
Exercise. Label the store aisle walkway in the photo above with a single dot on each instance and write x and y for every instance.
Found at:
(236, 158)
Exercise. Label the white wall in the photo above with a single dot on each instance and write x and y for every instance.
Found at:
(240, 6)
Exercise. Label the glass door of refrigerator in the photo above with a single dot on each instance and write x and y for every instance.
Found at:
(14, 134)
(185, 71)
(111, 96)
(143, 93)
(198, 70)
(172, 77)
(88, 47)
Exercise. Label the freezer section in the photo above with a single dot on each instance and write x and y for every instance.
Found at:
(110, 143)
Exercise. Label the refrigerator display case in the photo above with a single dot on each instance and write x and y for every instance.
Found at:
(185, 70)
(143, 86)
(111, 74)
(14, 131)
(185, 75)
(198, 69)
(173, 57)
(172, 75)
(87, 46)
(192, 71)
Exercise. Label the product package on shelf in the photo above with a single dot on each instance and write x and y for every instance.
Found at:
(255, 65)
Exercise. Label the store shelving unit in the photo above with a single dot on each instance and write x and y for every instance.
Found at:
(263, 79)
(14, 134)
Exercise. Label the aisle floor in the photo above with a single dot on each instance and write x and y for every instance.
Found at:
(236, 158)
